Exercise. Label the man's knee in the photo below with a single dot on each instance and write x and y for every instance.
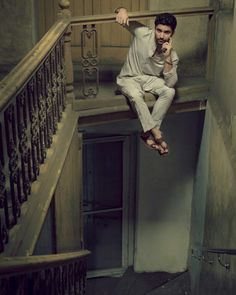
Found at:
(135, 95)
(130, 89)
(168, 92)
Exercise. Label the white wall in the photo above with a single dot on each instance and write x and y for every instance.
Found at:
(165, 189)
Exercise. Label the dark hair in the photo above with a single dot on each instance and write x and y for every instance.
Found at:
(166, 19)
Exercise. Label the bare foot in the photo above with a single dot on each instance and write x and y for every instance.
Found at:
(163, 147)
(149, 140)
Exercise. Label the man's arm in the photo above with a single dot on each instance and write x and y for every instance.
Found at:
(171, 76)
(122, 18)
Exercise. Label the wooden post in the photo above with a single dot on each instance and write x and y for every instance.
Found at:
(64, 12)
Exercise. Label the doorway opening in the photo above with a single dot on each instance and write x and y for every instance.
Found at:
(108, 203)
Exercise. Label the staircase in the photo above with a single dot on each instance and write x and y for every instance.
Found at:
(131, 283)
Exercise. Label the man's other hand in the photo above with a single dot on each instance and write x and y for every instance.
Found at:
(122, 17)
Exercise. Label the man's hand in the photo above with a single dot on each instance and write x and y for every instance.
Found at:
(166, 48)
(122, 17)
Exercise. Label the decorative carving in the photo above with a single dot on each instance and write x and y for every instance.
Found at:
(34, 128)
(4, 212)
(63, 71)
(14, 181)
(2, 175)
(68, 66)
(24, 149)
(66, 278)
(48, 282)
(3, 235)
(57, 278)
(49, 110)
(64, 8)
(89, 53)
(64, 4)
(41, 112)
(36, 283)
(60, 79)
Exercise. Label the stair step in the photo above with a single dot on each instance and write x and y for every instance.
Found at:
(178, 286)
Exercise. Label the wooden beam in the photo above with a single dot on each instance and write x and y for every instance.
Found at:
(121, 113)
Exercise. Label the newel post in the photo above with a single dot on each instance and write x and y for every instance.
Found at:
(64, 12)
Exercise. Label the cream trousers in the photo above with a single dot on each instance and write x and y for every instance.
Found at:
(135, 87)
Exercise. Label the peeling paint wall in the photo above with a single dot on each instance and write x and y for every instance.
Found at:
(190, 38)
(219, 183)
(165, 191)
(17, 31)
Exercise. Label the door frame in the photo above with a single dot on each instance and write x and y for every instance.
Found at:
(128, 199)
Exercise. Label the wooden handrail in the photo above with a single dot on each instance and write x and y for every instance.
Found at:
(108, 18)
(227, 251)
(12, 83)
(14, 265)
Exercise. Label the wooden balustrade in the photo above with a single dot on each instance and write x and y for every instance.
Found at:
(33, 97)
(47, 274)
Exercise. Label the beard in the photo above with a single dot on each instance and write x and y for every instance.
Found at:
(160, 41)
(159, 44)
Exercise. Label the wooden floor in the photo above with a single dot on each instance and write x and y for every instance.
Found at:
(158, 283)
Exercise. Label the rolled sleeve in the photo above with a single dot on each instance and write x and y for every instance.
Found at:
(171, 77)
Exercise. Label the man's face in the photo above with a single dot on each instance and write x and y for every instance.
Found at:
(163, 34)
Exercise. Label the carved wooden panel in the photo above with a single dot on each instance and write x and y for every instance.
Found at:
(113, 40)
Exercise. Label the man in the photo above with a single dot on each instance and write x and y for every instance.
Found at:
(150, 66)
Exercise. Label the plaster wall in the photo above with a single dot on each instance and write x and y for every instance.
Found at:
(218, 180)
(17, 31)
(190, 38)
(199, 201)
(165, 190)
(224, 87)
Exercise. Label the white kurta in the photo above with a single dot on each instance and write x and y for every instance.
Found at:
(143, 71)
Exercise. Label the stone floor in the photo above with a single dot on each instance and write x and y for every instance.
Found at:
(131, 283)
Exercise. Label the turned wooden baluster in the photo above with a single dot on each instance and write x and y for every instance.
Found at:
(64, 12)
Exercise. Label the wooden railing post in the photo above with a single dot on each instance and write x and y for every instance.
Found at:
(64, 12)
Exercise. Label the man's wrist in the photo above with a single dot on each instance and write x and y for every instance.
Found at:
(169, 62)
(117, 10)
